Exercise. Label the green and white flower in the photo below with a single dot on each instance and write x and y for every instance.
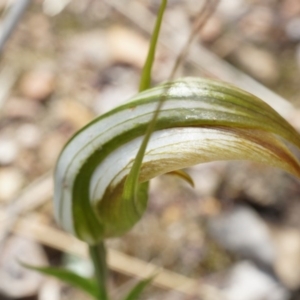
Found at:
(200, 121)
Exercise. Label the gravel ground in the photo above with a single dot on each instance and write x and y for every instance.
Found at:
(69, 61)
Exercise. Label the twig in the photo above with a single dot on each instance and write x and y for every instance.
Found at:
(11, 20)
(204, 59)
(203, 16)
(30, 227)
(30, 198)
(8, 77)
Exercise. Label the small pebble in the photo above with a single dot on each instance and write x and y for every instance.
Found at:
(22, 108)
(11, 181)
(50, 149)
(260, 63)
(232, 9)
(127, 46)
(37, 84)
(28, 136)
(287, 264)
(16, 281)
(229, 228)
(293, 29)
(8, 150)
(247, 282)
(73, 112)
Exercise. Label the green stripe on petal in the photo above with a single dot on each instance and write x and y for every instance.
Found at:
(201, 120)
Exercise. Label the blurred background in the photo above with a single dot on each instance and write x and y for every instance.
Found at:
(236, 235)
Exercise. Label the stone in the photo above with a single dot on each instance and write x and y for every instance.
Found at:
(17, 281)
(8, 150)
(127, 46)
(292, 29)
(287, 264)
(245, 281)
(289, 8)
(11, 181)
(210, 206)
(241, 231)
(118, 85)
(54, 7)
(207, 177)
(22, 108)
(28, 136)
(50, 290)
(37, 84)
(172, 213)
(212, 29)
(87, 49)
(72, 112)
(232, 9)
(50, 149)
(258, 23)
(258, 184)
(258, 62)
(3, 4)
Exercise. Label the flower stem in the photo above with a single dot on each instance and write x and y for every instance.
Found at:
(146, 73)
(98, 256)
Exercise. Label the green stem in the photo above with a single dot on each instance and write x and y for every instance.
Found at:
(146, 73)
(131, 184)
(98, 256)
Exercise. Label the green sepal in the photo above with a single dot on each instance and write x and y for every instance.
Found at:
(132, 209)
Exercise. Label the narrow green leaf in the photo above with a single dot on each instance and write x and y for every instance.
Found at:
(85, 284)
(200, 121)
(136, 292)
(146, 73)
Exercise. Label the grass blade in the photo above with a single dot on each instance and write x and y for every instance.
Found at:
(85, 284)
(136, 292)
